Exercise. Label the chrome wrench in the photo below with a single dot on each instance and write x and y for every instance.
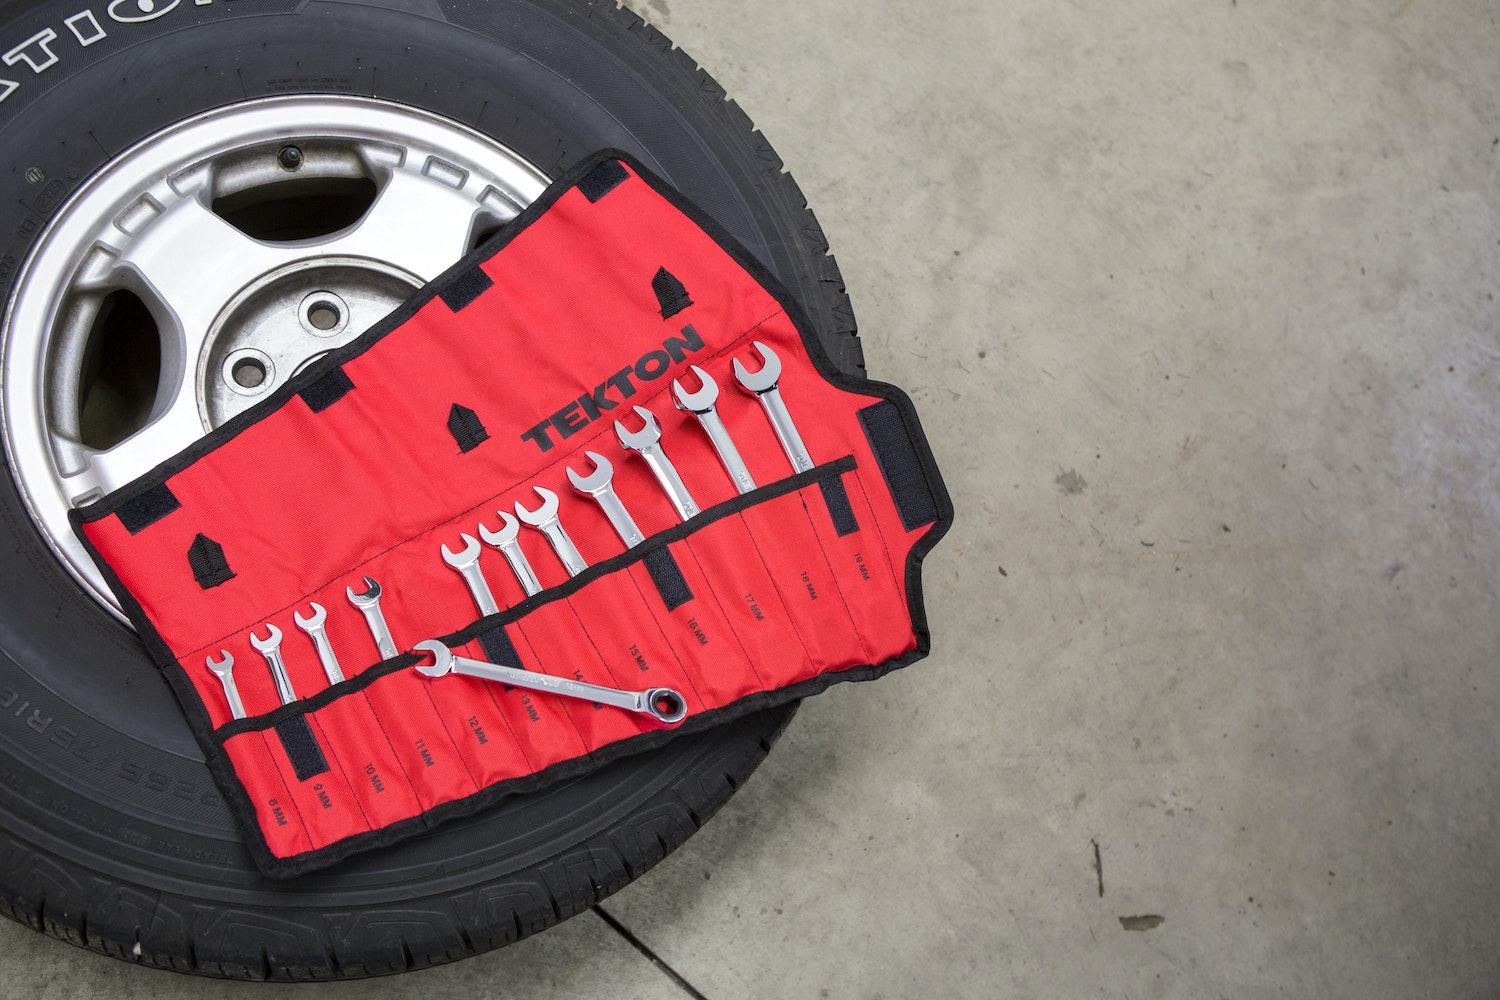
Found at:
(467, 565)
(544, 519)
(599, 485)
(647, 441)
(763, 385)
(701, 405)
(368, 604)
(270, 648)
(313, 626)
(510, 548)
(224, 670)
(662, 704)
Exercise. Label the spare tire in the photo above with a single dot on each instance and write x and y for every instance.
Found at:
(144, 138)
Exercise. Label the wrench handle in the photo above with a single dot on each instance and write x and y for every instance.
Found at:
(786, 431)
(671, 482)
(572, 559)
(231, 694)
(329, 660)
(728, 453)
(479, 587)
(619, 517)
(662, 704)
(279, 674)
(521, 568)
(379, 631)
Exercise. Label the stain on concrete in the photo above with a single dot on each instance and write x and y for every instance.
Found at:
(1070, 482)
(1144, 922)
(1392, 570)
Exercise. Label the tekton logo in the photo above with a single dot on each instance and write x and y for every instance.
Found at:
(580, 412)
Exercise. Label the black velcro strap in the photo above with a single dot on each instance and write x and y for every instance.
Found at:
(899, 463)
(465, 288)
(498, 647)
(667, 576)
(206, 557)
(301, 747)
(836, 498)
(671, 294)
(140, 512)
(466, 428)
(326, 391)
(602, 180)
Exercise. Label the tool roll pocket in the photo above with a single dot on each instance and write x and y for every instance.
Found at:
(440, 478)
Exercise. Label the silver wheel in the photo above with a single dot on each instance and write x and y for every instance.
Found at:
(201, 269)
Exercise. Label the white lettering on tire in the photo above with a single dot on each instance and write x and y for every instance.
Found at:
(39, 59)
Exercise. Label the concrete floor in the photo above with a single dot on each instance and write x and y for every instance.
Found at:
(1197, 301)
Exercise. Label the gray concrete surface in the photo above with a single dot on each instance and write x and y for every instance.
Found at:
(1197, 301)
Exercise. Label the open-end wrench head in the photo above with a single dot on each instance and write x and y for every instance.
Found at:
(470, 554)
(510, 530)
(700, 401)
(763, 380)
(266, 645)
(221, 666)
(313, 623)
(443, 658)
(545, 514)
(596, 480)
(369, 597)
(643, 438)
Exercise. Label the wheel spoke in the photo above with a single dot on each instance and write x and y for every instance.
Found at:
(416, 223)
(99, 472)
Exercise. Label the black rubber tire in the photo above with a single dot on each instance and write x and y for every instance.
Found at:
(112, 834)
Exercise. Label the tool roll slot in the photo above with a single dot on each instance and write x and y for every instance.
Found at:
(441, 422)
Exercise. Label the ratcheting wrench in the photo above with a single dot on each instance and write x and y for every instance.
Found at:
(647, 441)
(544, 519)
(599, 486)
(467, 564)
(314, 628)
(701, 405)
(505, 541)
(762, 385)
(368, 604)
(224, 670)
(270, 648)
(662, 704)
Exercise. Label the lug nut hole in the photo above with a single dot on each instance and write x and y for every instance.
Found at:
(249, 373)
(324, 315)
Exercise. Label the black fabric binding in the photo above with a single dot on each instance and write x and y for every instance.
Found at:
(466, 428)
(327, 390)
(897, 457)
(465, 288)
(202, 725)
(206, 558)
(144, 510)
(667, 576)
(301, 747)
(603, 179)
(671, 294)
(498, 647)
(836, 499)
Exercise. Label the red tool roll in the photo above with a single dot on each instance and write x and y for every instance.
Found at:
(492, 381)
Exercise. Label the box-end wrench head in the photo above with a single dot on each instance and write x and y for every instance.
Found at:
(313, 626)
(763, 385)
(467, 565)
(599, 485)
(701, 405)
(270, 648)
(368, 604)
(647, 443)
(510, 548)
(662, 704)
(223, 668)
(544, 519)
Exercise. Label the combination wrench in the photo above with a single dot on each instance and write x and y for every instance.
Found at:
(763, 385)
(368, 604)
(598, 484)
(662, 704)
(467, 565)
(647, 442)
(313, 626)
(506, 541)
(544, 519)
(270, 648)
(701, 405)
(224, 670)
